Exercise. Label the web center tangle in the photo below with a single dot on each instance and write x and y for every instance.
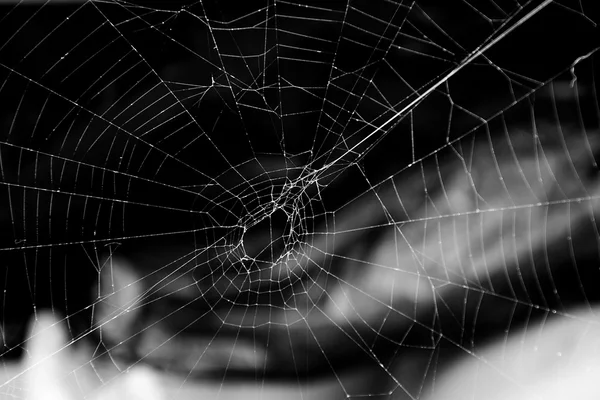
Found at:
(271, 240)
(263, 254)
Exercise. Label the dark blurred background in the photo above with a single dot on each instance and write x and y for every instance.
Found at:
(122, 121)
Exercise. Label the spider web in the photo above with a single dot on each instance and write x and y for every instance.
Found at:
(302, 199)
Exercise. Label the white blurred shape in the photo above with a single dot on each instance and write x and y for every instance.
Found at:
(45, 360)
(555, 359)
(54, 369)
